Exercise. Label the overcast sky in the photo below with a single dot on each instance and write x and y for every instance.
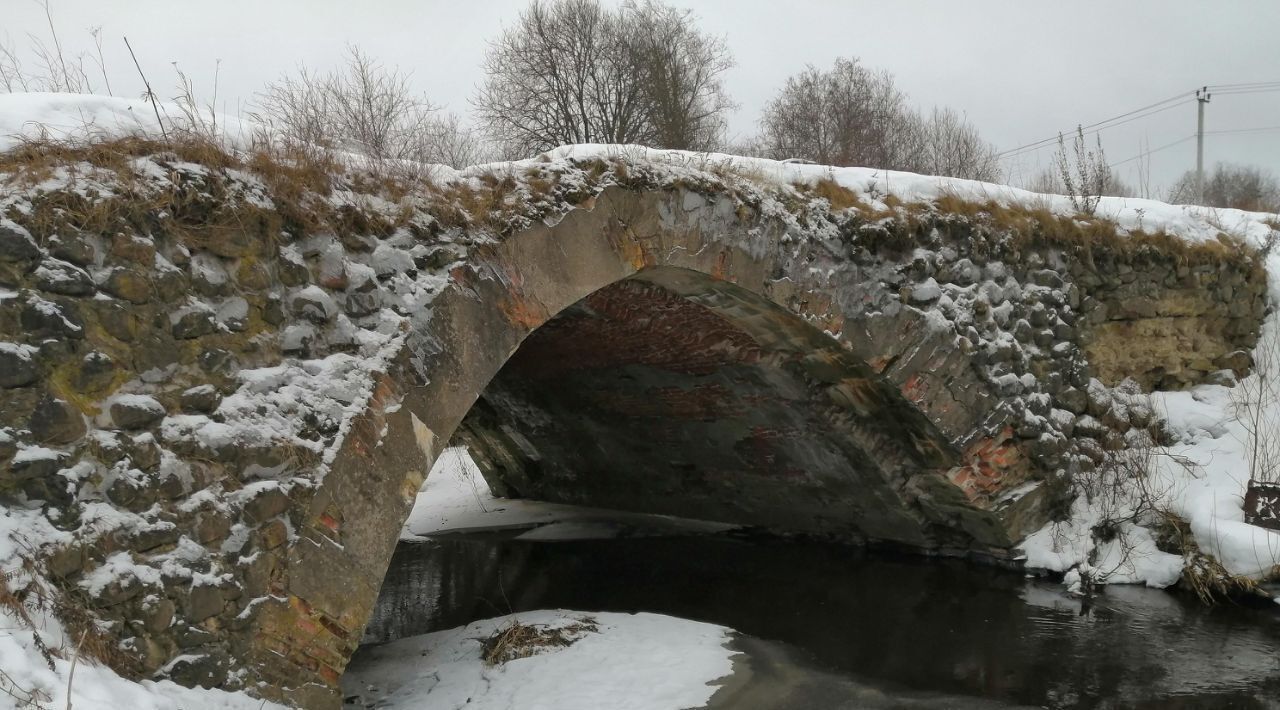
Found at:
(1019, 70)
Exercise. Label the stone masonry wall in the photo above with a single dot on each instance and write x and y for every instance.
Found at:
(220, 392)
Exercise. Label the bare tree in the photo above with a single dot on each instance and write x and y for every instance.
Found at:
(449, 142)
(1256, 404)
(849, 115)
(852, 115)
(559, 76)
(573, 71)
(681, 70)
(296, 107)
(364, 108)
(953, 147)
(374, 109)
(1243, 187)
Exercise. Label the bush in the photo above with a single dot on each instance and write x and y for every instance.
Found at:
(367, 109)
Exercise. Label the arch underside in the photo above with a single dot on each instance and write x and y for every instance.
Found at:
(671, 392)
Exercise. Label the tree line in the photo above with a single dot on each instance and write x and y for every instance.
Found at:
(578, 71)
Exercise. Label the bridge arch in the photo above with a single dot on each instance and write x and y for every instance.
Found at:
(252, 389)
(852, 454)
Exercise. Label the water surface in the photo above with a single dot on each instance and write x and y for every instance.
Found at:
(827, 626)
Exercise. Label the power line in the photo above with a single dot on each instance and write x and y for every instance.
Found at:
(1255, 84)
(1095, 131)
(1181, 97)
(1259, 129)
(1238, 92)
(1145, 153)
(1148, 110)
(1184, 139)
(1250, 87)
(1180, 141)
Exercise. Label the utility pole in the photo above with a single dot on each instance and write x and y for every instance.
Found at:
(1202, 98)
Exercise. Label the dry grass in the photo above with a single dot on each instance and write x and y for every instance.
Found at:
(1205, 576)
(996, 230)
(24, 596)
(1020, 227)
(196, 209)
(500, 202)
(35, 159)
(517, 640)
(840, 198)
(1202, 574)
(299, 181)
(462, 206)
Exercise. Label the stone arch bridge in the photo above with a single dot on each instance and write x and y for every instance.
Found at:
(258, 401)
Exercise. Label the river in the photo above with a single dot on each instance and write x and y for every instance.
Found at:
(828, 626)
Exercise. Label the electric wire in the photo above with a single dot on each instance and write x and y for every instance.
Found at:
(1150, 110)
(1181, 97)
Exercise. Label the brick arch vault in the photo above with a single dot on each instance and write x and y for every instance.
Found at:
(654, 351)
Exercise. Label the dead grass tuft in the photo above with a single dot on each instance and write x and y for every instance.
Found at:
(1020, 227)
(1205, 576)
(517, 640)
(1202, 574)
(840, 198)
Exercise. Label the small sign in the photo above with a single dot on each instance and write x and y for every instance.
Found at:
(1262, 504)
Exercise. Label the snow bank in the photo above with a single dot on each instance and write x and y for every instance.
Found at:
(1194, 223)
(1211, 496)
(455, 498)
(27, 676)
(631, 662)
(81, 117)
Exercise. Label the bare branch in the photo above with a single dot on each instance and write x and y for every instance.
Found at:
(150, 95)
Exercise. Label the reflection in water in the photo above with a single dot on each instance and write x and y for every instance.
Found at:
(914, 626)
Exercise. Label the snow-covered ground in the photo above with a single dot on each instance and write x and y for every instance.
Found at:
(629, 662)
(455, 499)
(27, 682)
